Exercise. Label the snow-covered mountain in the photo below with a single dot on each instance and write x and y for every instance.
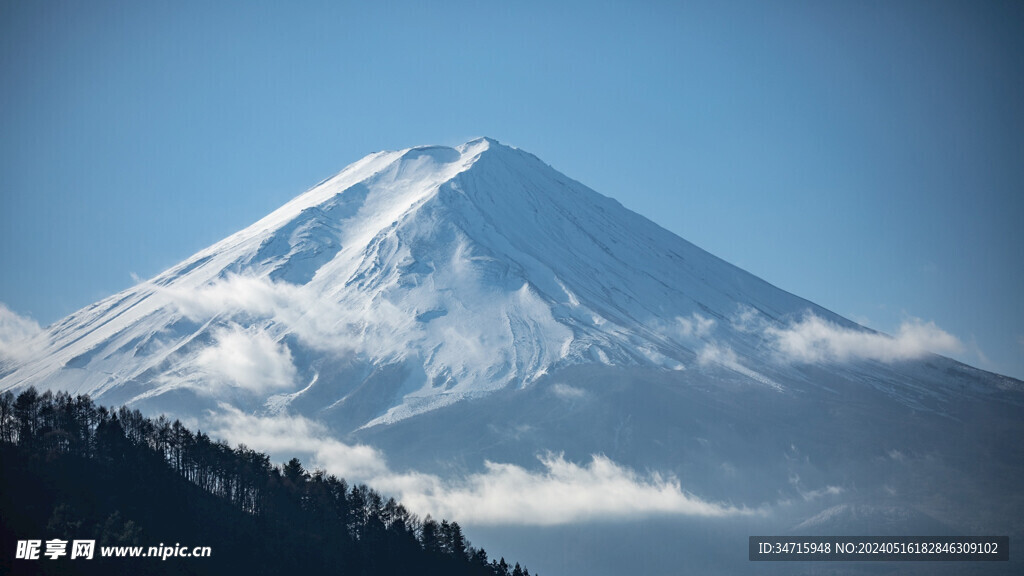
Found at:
(436, 273)
(453, 306)
(458, 271)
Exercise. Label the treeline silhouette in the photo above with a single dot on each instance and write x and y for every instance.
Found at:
(72, 470)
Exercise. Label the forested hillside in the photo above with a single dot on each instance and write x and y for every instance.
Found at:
(71, 470)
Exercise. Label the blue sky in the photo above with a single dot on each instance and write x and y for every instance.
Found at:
(868, 156)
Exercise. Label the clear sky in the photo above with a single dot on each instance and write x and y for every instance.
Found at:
(868, 156)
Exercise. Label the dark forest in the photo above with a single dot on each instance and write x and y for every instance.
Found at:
(72, 470)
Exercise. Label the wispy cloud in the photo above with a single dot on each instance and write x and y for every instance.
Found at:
(564, 492)
(568, 392)
(248, 359)
(810, 495)
(723, 355)
(284, 434)
(694, 326)
(560, 492)
(717, 354)
(18, 335)
(814, 339)
(316, 320)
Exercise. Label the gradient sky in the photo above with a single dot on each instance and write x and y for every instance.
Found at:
(868, 156)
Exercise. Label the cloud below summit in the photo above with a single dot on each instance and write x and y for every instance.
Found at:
(316, 320)
(814, 339)
(559, 492)
(247, 359)
(17, 335)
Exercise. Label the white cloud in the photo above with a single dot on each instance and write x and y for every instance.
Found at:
(18, 335)
(564, 492)
(561, 492)
(295, 435)
(247, 359)
(722, 355)
(747, 319)
(313, 318)
(814, 339)
(568, 392)
(235, 294)
(696, 326)
(811, 495)
(714, 353)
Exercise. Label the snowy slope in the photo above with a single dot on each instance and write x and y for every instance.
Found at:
(415, 279)
(465, 310)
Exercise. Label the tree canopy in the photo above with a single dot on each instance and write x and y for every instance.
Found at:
(71, 469)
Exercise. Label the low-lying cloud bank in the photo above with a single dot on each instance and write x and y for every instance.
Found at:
(561, 492)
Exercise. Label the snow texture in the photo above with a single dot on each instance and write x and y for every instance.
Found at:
(489, 324)
(415, 279)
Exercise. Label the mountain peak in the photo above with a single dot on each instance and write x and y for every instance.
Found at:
(487, 145)
(470, 148)
(414, 279)
(485, 140)
(465, 308)
(459, 271)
